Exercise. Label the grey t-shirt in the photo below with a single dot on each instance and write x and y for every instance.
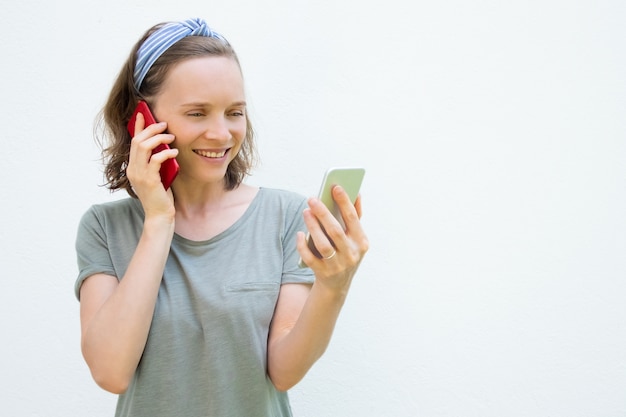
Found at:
(207, 347)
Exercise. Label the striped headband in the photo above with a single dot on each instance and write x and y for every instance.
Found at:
(163, 38)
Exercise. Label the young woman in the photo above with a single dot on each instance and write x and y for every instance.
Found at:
(191, 299)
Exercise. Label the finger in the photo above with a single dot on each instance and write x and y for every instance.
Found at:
(357, 206)
(355, 236)
(349, 211)
(143, 165)
(145, 148)
(140, 122)
(163, 155)
(307, 256)
(140, 150)
(318, 232)
(155, 155)
(142, 134)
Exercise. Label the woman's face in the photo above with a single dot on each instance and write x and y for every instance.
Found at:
(203, 103)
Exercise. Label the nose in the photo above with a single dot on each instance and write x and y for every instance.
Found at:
(217, 129)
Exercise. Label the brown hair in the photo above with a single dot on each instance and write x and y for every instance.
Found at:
(111, 132)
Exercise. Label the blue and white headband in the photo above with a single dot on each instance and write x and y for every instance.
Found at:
(163, 38)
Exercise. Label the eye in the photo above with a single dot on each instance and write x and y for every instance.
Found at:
(195, 114)
(237, 113)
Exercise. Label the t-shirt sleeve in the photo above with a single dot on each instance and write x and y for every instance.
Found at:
(92, 252)
(294, 222)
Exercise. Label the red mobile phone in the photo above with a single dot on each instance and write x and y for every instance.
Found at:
(169, 168)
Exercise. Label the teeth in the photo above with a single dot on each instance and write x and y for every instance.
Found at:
(210, 154)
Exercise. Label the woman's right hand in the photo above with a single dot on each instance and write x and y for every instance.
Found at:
(143, 167)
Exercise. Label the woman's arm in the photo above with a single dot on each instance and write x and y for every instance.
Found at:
(305, 316)
(116, 317)
(302, 326)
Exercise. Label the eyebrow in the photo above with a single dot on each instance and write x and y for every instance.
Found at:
(205, 104)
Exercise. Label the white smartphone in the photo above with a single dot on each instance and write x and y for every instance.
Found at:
(350, 179)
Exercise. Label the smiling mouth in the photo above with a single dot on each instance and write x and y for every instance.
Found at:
(209, 154)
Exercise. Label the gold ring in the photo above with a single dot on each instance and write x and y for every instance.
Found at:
(331, 255)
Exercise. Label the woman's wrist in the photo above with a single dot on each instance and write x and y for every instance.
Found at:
(159, 222)
(335, 294)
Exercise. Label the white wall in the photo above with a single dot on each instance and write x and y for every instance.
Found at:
(494, 137)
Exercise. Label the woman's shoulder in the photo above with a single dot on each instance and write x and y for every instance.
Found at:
(116, 206)
(281, 195)
(117, 209)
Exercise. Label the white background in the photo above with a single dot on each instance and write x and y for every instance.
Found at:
(494, 138)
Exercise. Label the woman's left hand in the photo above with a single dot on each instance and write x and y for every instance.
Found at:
(341, 250)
